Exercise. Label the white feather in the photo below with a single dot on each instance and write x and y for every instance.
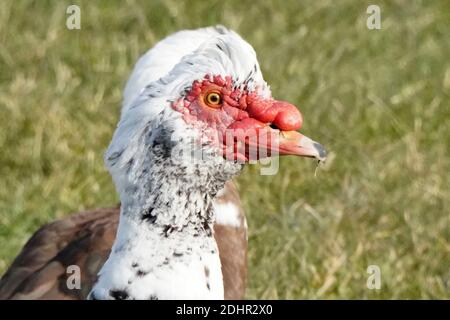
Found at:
(160, 60)
(227, 214)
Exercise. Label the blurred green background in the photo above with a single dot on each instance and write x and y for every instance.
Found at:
(377, 99)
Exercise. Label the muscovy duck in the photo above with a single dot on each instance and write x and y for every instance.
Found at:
(195, 109)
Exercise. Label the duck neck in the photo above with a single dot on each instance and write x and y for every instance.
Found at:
(165, 248)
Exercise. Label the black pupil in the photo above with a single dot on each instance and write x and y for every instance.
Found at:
(214, 98)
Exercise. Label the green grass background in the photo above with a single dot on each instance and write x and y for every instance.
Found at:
(377, 99)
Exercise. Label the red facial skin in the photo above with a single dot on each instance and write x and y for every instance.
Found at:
(240, 114)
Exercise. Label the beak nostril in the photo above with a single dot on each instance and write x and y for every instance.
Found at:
(273, 126)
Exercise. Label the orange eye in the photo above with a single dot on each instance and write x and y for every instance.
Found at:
(213, 99)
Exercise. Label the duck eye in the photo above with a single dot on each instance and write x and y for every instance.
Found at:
(213, 99)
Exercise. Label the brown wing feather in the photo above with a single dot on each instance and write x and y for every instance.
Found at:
(41, 266)
(85, 239)
(232, 243)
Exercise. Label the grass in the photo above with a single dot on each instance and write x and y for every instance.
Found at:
(377, 99)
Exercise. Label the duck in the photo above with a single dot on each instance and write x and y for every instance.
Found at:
(195, 111)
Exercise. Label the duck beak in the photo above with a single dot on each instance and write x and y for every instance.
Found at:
(252, 140)
(294, 143)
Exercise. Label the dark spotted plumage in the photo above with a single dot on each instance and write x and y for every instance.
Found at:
(148, 216)
(118, 294)
(141, 273)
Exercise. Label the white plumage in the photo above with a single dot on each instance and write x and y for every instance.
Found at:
(160, 60)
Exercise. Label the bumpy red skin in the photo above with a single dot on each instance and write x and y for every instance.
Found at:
(240, 110)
